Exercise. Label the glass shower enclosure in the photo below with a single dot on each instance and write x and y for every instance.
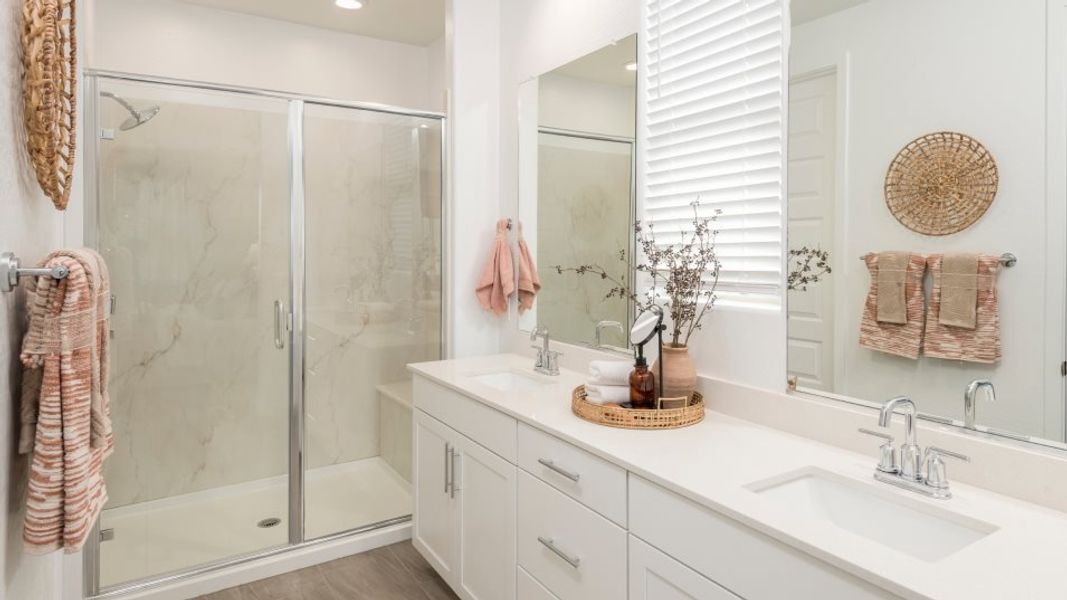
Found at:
(275, 261)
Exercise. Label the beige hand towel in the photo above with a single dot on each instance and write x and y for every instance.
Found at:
(891, 275)
(980, 344)
(959, 290)
(901, 339)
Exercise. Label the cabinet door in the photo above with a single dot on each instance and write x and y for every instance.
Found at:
(656, 576)
(485, 493)
(435, 528)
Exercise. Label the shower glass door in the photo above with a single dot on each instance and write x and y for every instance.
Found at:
(193, 218)
(372, 184)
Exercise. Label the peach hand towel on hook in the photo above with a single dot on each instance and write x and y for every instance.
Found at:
(980, 344)
(529, 282)
(901, 339)
(497, 283)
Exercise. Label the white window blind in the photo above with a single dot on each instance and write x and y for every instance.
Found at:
(713, 79)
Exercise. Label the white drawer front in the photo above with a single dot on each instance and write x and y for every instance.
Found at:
(531, 589)
(748, 563)
(574, 552)
(490, 428)
(592, 481)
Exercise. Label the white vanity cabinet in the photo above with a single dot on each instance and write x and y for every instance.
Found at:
(507, 511)
(464, 510)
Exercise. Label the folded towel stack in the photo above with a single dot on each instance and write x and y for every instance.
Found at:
(609, 382)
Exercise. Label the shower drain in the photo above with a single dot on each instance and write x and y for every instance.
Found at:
(270, 522)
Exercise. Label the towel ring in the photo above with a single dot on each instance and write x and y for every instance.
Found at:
(10, 272)
(1007, 259)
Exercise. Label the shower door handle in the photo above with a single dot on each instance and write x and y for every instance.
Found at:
(279, 324)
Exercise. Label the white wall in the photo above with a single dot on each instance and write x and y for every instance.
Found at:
(566, 102)
(186, 41)
(474, 68)
(30, 227)
(977, 68)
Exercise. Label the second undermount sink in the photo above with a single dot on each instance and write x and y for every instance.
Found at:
(881, 515)
(510, 381)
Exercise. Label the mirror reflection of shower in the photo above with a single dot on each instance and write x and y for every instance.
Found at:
(138, 117)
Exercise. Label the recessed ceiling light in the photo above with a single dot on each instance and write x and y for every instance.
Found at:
(350, 4)
(631, 66)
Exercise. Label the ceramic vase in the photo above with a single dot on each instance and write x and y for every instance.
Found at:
(679, 372)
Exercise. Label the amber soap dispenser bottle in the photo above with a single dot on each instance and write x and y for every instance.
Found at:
(642, 385)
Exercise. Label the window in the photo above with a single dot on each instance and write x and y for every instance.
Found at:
(713, 78)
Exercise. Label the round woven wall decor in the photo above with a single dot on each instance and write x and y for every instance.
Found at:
(941, 183)
(48, 90)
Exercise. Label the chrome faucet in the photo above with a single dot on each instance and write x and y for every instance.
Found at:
(547, 360)
(602, 325)
(918, 471)
(970, 396)
(910, 454)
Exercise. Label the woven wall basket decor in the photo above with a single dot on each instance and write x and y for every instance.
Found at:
(49, 93)
(941, 183)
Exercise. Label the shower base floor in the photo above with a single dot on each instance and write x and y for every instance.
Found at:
(171, 534)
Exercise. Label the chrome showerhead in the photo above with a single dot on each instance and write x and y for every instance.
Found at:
(137, 117)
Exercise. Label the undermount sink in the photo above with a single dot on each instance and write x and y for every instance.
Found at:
(509, 381)
(880, 515)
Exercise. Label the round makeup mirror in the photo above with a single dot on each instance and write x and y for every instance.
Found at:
(646, 325)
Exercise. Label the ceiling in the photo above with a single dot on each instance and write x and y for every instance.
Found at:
(803, 11)
(417, 22)
(605, 65)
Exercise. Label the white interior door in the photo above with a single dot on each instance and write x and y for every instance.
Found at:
(811, 192)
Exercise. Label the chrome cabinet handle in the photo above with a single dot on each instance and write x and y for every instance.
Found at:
(279, 341)
(448, 474)
(552, 465)
(549, 543)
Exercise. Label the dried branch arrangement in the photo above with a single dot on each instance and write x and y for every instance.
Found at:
(682, 276)
(806, 267)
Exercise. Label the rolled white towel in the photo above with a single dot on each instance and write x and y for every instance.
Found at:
(607, 394)
(610, 372)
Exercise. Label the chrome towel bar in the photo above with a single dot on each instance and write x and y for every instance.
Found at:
(10, 271)
(1007, 259)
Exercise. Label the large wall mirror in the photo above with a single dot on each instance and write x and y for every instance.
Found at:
(926, 208)
(576, 191)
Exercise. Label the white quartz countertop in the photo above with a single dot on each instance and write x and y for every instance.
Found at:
(713, 461)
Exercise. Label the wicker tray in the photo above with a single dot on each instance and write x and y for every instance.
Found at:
(634, 418)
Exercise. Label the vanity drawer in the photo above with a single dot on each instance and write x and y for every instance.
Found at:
(592, 481)
(748, 563)
(530, 588)
(571, 550)
(491, 428)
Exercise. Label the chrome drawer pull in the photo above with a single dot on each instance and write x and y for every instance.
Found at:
(448, 464)
(552, 465)
(551, 545)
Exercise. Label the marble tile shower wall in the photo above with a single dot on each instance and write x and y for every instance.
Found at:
(194, 221)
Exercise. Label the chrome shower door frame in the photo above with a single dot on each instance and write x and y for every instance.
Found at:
(295, 316)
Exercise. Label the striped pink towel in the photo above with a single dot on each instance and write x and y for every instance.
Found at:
(904, 339)
(981, 344)
(65, 410)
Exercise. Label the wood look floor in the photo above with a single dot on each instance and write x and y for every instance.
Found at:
(394, 572)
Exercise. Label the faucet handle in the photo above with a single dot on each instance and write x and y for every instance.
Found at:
(887, 460)
(877, 434)
(936, 473)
